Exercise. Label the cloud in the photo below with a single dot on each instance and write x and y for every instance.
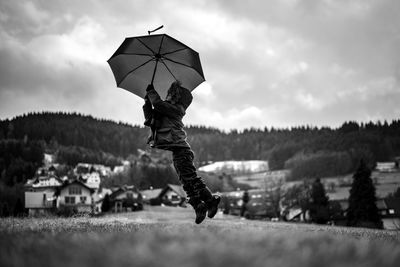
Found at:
(248, 117)
(279, 62)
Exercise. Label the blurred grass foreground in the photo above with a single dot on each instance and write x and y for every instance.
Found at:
(167, 237)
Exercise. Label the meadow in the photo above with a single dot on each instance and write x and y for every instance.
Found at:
(167, 237)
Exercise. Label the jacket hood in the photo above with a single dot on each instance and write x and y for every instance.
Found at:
(186, 97)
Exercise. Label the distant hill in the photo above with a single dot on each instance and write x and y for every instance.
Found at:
(71, 129)
(307, 151)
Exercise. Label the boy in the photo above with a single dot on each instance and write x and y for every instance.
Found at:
(165, 120)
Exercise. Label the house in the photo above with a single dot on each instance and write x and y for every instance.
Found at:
(75, 196)
(390, 213)
(85, 168)
(126, 198)
(40, 194)
(262, 179)
(91, 179)
(121, 168)
(150, 196)
(47, 170)
(104, 171)
(173, 195)
(40, 203)
(259, 204)
(98, 198)
(386, 166)
(294, 214)
(389, 209)
(43, 183)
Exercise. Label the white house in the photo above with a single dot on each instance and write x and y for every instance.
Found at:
(92, 179)
(40, 194)
(386, 166)
(40, 202)
(76, 195)
(104, 171)
(45, 182)
(82, 168)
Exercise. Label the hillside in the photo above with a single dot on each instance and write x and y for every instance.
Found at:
(308, 151)
(163, 236)
(67, 129)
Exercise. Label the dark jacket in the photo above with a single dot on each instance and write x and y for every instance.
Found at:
(165, 120)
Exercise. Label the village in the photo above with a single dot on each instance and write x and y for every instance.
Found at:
(47, 194)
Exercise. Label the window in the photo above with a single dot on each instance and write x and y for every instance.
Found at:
(129, 195)
(69, 200)
(75, 190)
(174, 197)
(83, 199)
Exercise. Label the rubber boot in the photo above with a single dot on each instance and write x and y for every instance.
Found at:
(199, 207)
(211, 201)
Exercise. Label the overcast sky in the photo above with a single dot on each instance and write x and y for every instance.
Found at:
(267, 63)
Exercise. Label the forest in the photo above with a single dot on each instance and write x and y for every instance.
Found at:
(308, 151)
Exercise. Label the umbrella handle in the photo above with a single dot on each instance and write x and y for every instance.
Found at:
(155, 29)
(154, 72)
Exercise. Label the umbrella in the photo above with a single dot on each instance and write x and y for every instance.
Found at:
(158, 59)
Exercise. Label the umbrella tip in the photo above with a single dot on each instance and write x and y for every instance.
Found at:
(155, 29)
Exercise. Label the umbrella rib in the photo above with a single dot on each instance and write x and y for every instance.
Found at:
(126, 75)
(179, 63)
(136, 54)
(147, 46)
(167, 53)
(162, 40)
(162, 61)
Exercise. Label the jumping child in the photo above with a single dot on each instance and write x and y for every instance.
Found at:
(165, 121)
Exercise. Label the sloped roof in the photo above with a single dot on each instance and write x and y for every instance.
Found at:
(99, 196)
(68, 183)
(381, 204)
(177, 189)
(394, 204)
(123, 189)
(151, 193)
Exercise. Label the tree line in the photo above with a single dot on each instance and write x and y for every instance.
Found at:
(19, 160)
(310, 152)
(362, 208)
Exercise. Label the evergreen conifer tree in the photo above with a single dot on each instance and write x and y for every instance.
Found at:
(362, 210)
(319, 210)
(106, 204)
(19, 208)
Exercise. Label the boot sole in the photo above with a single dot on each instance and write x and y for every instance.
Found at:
(201, 212)
(213, 206)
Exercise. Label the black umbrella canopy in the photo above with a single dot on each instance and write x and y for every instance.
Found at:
(158, 59)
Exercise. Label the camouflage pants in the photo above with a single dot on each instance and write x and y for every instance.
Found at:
(183, 163)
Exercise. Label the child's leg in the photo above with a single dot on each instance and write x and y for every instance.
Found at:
(193, 185)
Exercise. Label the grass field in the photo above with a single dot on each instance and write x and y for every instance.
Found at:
(168, 237)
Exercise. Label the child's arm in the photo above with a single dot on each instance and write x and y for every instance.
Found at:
(163, 107)
(147, 111)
